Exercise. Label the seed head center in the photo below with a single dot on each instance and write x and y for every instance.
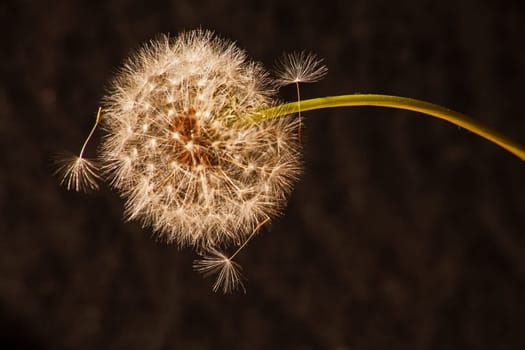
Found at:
(189, 145)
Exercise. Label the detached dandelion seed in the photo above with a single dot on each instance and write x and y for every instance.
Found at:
(299, 67)
(78, 173)
(228, 273)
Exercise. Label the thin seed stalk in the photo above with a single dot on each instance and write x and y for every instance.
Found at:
(397, 102)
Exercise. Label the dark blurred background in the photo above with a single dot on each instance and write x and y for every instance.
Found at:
(403, 233)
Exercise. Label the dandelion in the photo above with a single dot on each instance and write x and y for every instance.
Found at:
(200, 150)
(183, 149)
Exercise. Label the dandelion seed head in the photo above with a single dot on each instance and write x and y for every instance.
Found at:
(299, 67)
(182, 150)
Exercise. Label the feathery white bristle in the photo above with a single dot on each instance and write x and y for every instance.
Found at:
(299, 67)
(228, 273)
(78, 174)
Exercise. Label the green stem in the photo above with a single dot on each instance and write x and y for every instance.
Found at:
(400, 103)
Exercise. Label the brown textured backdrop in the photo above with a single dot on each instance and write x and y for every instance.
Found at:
(404, 232)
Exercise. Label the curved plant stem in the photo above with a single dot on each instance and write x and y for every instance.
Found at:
(399, 103)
